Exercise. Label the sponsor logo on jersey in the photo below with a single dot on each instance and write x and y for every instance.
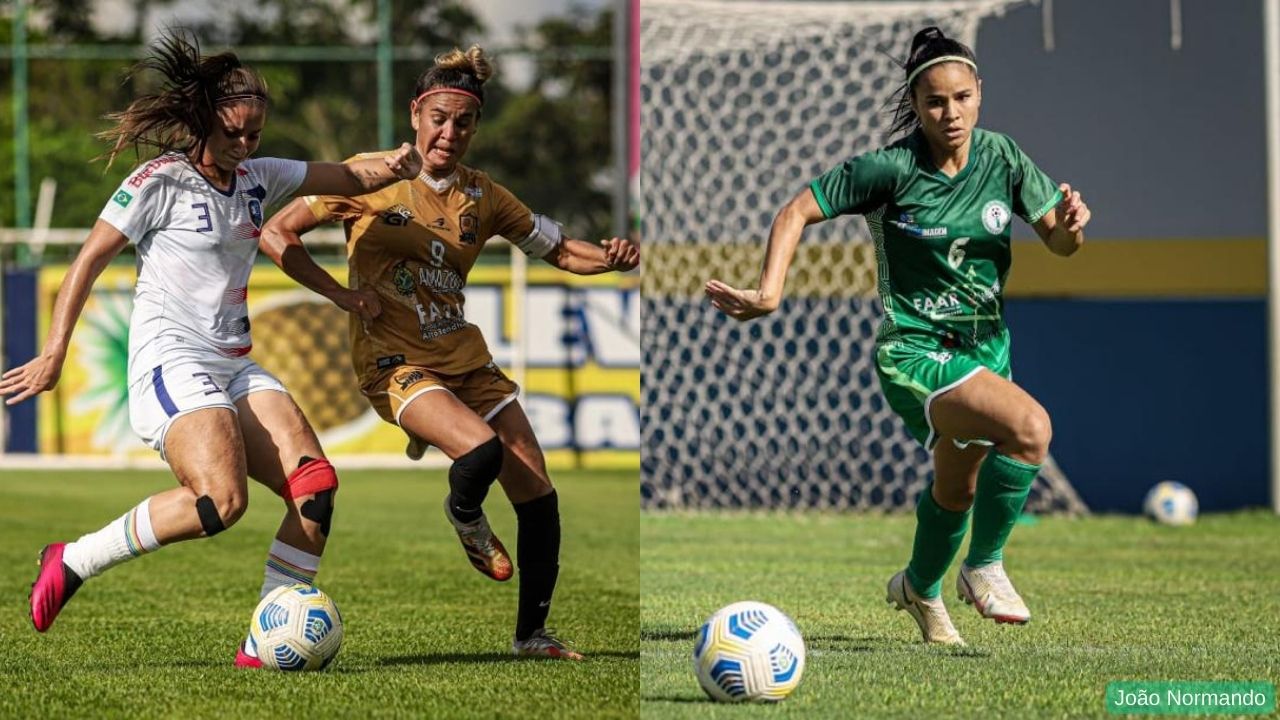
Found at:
(439, 223)
(402, 278)
(390, 361)
(945, 303)
(995, 217)
(150, 168)
(409, 378)
(469, 224)
(911, 228)
(473, 191)
(942, 358)
(397, 215)
(122, 198)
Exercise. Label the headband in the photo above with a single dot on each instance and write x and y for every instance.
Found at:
(935, 61)
(456, 91)
(240, 96)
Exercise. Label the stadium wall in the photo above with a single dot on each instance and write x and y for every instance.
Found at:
(1148, 347)
(581, 388)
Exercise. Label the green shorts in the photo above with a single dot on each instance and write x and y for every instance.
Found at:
(917, 368)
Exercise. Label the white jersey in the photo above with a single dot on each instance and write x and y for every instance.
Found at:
(196, 246)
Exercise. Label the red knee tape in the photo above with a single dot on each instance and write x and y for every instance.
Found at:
(313, 477)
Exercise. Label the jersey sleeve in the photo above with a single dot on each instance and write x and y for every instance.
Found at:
(138, 206)
(1034, 194)
(335, 208)
(512, 219)
(280, 176)
(856, 186)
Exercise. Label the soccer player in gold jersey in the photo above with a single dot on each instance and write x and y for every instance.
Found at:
(409, 248)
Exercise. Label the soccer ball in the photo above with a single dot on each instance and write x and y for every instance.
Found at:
(296, 627)
(1171, 503)
(749, 651)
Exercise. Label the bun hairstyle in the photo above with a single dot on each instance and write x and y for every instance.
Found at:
(182, 114)
(929, 47)
(463, 72)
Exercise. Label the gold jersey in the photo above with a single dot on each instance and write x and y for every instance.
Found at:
(414, 245)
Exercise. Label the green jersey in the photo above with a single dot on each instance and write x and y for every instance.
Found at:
(942, 243)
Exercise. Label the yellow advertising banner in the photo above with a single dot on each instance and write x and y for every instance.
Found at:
(581, 355)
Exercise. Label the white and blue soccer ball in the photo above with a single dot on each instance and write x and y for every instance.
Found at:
(749, 651)
(296, 627)
(1171, 503)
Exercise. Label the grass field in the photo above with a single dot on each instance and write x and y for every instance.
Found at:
(1112, 598)
(426, 635)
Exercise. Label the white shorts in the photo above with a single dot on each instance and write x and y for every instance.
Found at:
(168, 379)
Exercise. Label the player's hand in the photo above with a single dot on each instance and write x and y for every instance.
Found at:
(621, 254)
(361, 302)
(38, 375)
(738, 304)
(1073, 214)
(405, 162)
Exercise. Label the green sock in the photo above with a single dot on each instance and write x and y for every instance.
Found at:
(939, 533)
(1003, 486)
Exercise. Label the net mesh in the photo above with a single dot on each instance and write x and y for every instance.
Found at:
(743, 103)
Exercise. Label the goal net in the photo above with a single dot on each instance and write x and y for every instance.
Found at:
(743, 103)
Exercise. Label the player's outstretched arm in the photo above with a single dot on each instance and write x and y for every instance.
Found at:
(41, 373)
(281, 241)
(360, 177)
(584, 258)
(788, 224)
(1062, 228)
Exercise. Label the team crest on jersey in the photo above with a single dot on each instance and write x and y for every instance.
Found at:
(473, 191)
(397, 215)
(402, 278)
(256, 195)
(469, 224)
(995, 217)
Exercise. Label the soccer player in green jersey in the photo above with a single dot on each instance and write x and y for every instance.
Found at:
(938, 203)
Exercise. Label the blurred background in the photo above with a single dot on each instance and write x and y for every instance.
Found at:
(1148, 347)
(341, 73)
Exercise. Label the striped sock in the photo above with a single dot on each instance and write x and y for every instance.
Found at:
(126, 538)
(286, 565)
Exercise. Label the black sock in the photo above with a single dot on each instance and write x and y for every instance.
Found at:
(470, 478)
(538, 558)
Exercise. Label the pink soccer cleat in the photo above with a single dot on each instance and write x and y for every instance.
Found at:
(245, 660)
(54, 586)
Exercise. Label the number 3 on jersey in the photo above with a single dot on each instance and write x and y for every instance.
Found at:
(955, 255)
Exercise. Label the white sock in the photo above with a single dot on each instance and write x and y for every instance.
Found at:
(286, 565)
(123, 539)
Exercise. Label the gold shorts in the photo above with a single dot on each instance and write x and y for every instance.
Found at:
(486, 390)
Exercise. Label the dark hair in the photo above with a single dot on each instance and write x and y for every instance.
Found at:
(181, 115)
(457, 70)
(928, 44)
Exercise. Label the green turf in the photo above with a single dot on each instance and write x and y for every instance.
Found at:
(1112, 598)
(426, 635)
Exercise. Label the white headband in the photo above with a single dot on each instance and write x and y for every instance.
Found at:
(935, 61)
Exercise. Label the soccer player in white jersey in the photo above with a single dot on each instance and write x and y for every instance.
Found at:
(194, 214)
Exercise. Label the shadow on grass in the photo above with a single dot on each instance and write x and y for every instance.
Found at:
(491, 657)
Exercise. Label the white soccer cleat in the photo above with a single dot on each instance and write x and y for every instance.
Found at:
(931, 615)
(988, 589)
(544, 643)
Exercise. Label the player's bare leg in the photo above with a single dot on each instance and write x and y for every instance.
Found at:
(438, 418)
(282, 453)
(205, 451)
(989, 407)
(525, 480)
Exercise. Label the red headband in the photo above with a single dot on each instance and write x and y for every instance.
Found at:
(456, 91)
